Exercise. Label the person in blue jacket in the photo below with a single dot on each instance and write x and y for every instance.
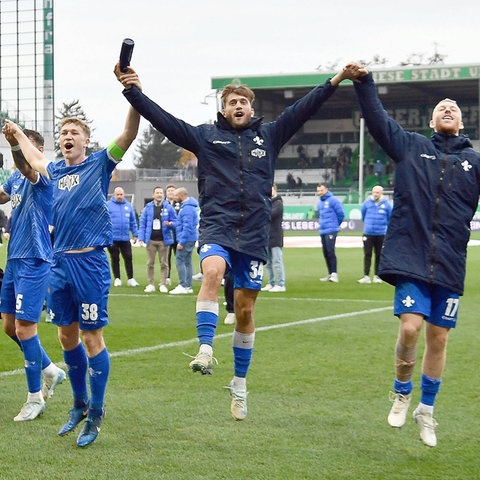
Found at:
(187, 235)
(157, 223)
(436, 191)
(124, 221)
(330, 217)
(236, 161)
(376, 211)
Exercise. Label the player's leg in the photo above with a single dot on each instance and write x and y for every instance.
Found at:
(411, 305)
(35, 404)
(8, 301)
(247, 281)
(442, 318)
(213, 259)
(30, 290)
(92, 292)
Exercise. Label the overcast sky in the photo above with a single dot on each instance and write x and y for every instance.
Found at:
(180, 45)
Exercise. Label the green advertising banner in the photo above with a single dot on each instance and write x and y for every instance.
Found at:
(304, 218)
(48, 39)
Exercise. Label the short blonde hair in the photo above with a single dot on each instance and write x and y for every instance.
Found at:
(76, 121)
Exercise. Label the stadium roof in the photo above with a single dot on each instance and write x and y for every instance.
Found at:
(403, 85)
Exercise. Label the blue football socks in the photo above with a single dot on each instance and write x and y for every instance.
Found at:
(77, 363)
(207, 318)
(404, 388)
(242, 352)
(430, 387)
(32, 352)
(99, 370)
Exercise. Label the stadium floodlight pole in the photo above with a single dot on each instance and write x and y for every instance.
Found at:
(361, 157)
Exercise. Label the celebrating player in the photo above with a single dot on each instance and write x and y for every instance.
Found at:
(80, 277)
(236, 161)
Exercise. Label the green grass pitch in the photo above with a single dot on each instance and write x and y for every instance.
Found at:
(318, 390)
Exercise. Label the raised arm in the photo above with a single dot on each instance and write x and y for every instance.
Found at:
(351, 71)
(177, 131)
(19, 159)
(33, 156)
(130, 131)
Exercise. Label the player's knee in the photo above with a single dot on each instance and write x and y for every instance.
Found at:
(212, 277)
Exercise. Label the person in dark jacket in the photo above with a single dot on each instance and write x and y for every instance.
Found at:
(376, 211)
(187, 235)
(124, 221)
(236, 161)
(436, 190)
(275, 267)
(169, 193)
(157, 223)
(330, 217)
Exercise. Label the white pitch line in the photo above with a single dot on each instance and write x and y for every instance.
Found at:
(268, 296)
(135, 351)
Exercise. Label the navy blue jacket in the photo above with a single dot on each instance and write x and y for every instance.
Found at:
(235, 167)
(375, 216)
(330, 214)
(437, 185)
(123, 219)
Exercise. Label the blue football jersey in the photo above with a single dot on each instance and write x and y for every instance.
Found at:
(31, 217)
(80, 214)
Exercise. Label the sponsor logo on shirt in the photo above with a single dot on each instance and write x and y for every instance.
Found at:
(68, 182)
(429, 157)
(15, 200)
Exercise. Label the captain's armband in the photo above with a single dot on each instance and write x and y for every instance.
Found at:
(115, 151)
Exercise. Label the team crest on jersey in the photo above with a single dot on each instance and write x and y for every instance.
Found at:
(408, 301)
(68, 182)
(205, 248)
(466, 166)
(258, 141)
(258, 152)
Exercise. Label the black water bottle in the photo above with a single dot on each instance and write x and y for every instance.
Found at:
(126, 54)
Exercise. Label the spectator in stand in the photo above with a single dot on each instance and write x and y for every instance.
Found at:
(376, 211)
(330, 215)
(187, 235)
(124, 221)
(157, 224)
(275, 267)
(170, 193)
(292, 184)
